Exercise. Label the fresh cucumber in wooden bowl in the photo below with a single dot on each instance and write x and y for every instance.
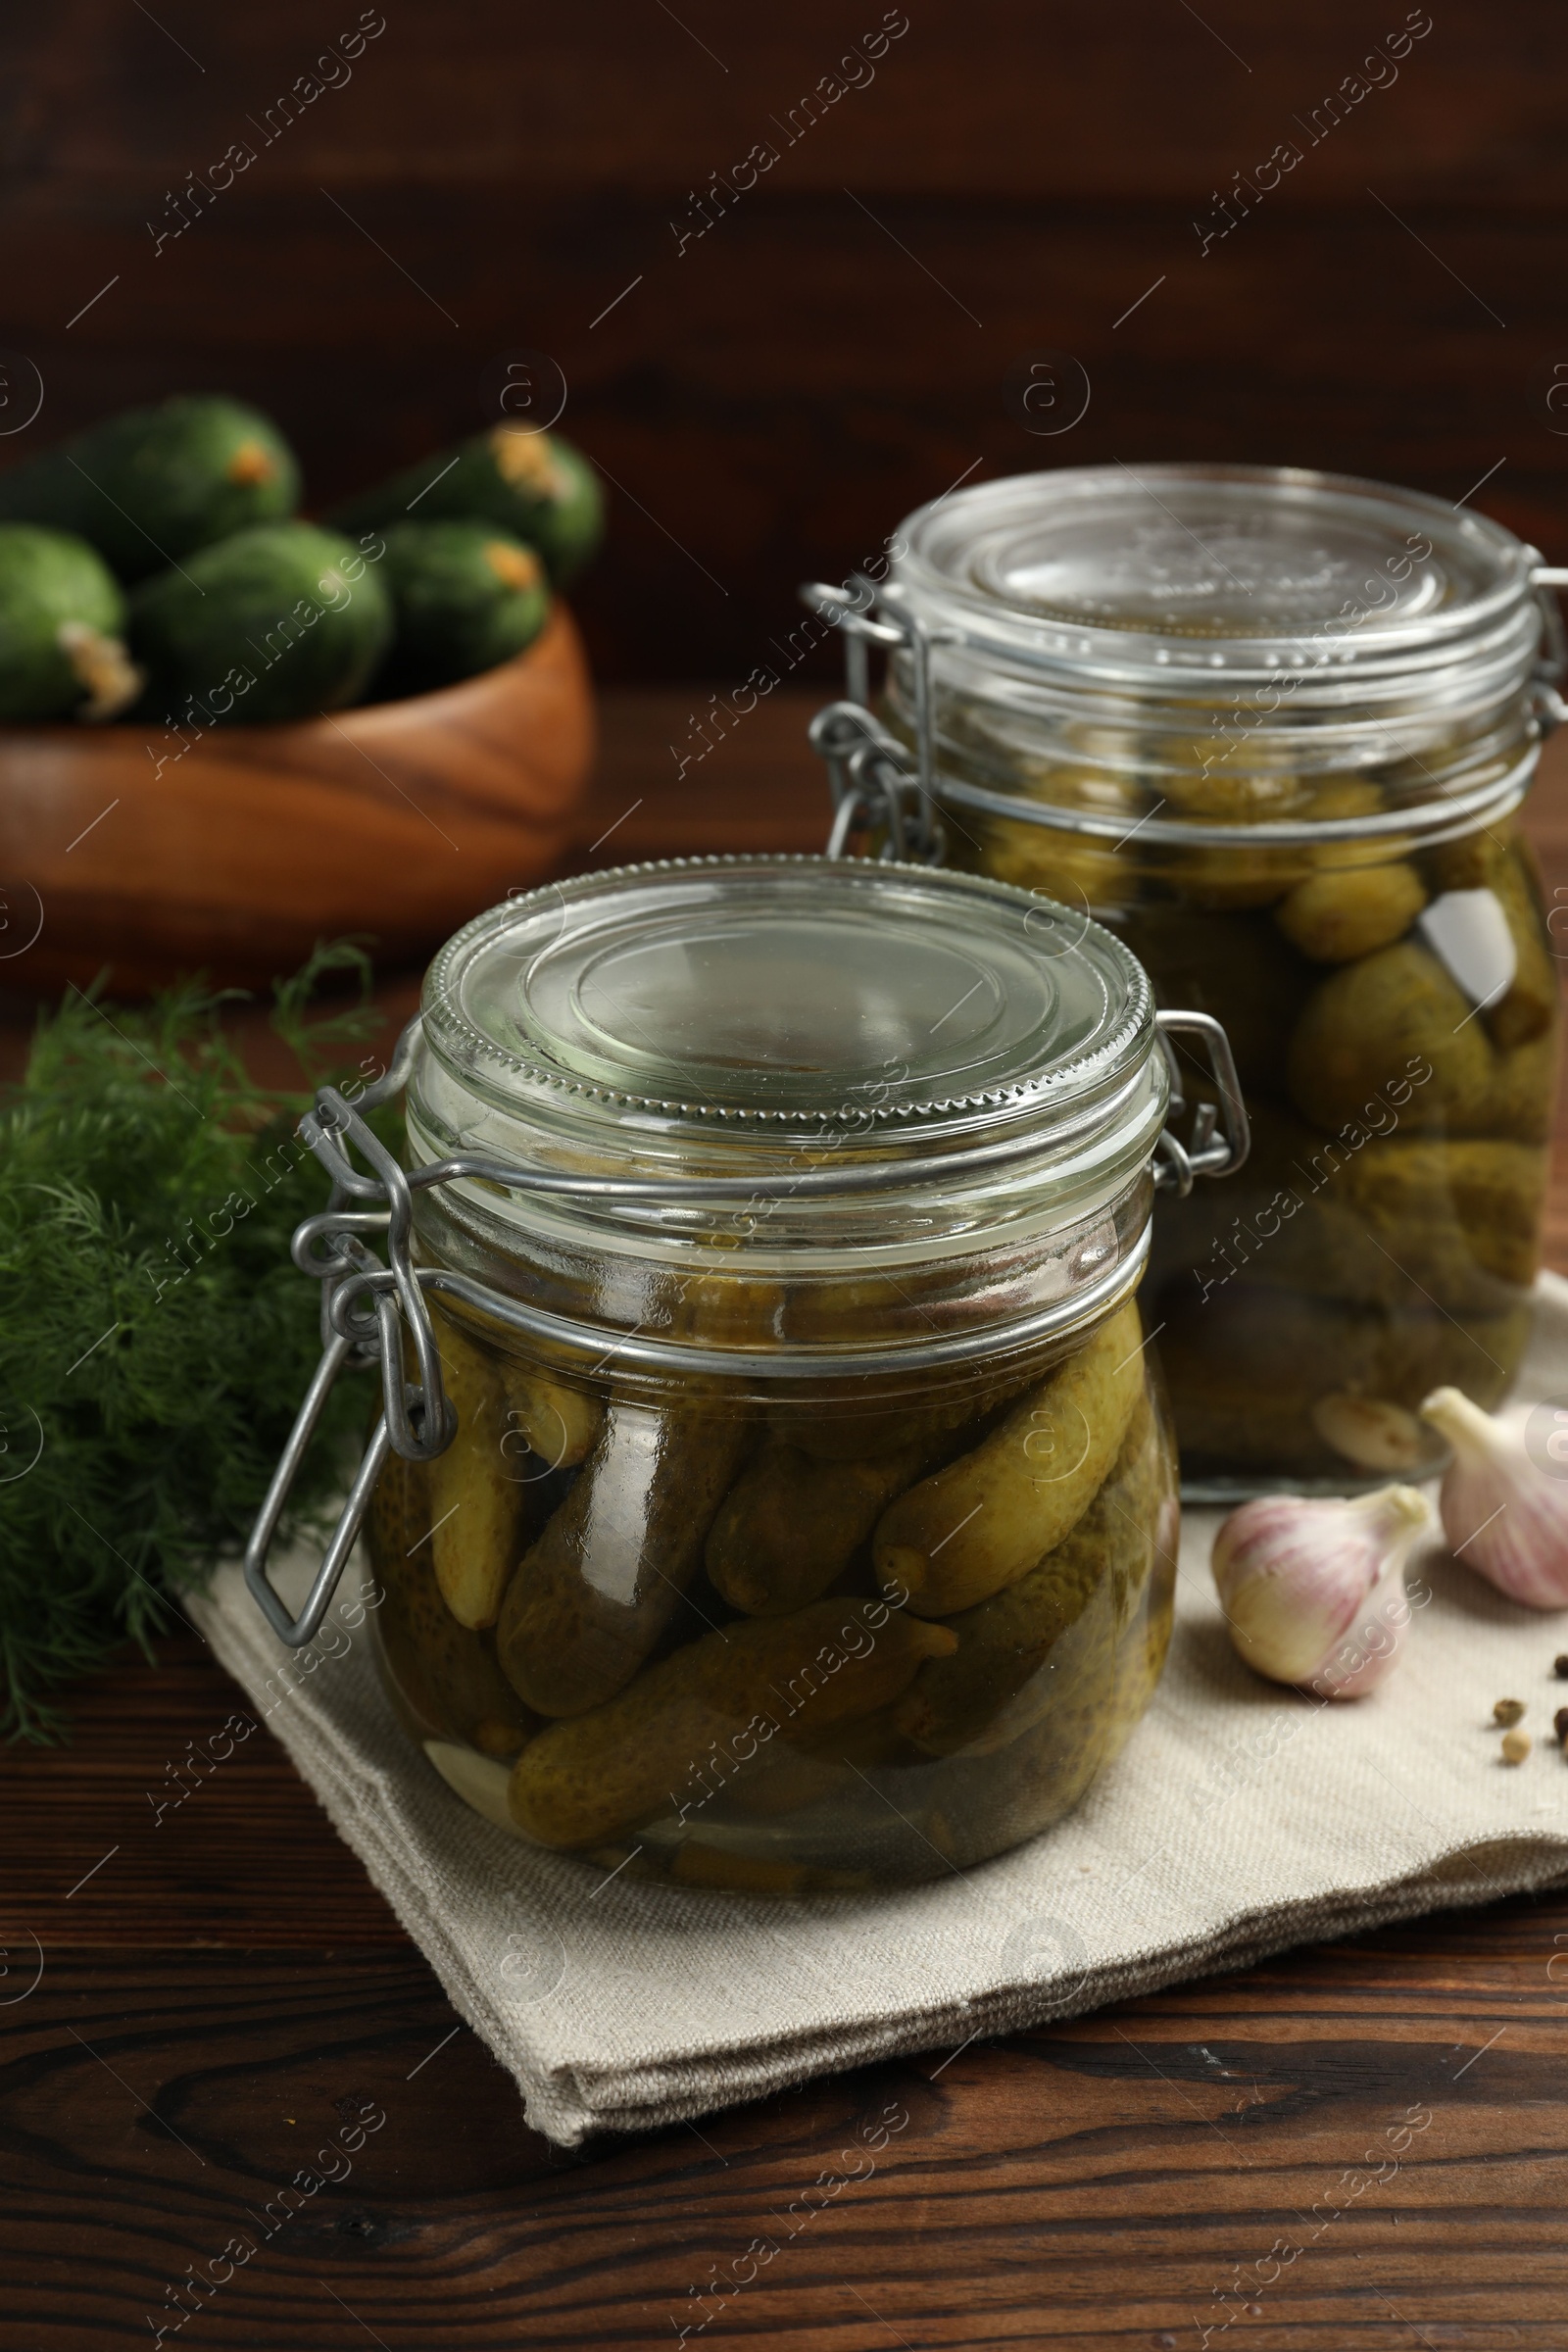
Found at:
(463, 597)
(275, 622)
(149, 487)
(534, 485)
(377, 725)
(62, 615)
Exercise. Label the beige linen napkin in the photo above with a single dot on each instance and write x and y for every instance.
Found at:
(1242, 1817)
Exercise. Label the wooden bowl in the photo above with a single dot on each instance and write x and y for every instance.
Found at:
(394, 820)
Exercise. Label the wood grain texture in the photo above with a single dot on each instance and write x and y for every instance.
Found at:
(236, 851)
(767, 398)
(225, 1994)
(1119, 2182)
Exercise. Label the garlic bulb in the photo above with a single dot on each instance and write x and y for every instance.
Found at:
(1313, 1592)
(1502, 1512)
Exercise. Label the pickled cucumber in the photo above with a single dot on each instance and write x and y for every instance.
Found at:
(1213, 782)
(863, 1429)
(475, 1504)
(1468, 864)
(1334, 797)
(1097, 1684)
(1238, 966)
(724, 1309)
(964, 1532)
(1081, 874)
(556, 1423)
(1524, 1087)
(591, 1598)
(1381, 1220)
(965, 1700)
(1446, 1208)
(1388, 1016)
(447, 1676)
(1349, 911)
(791, 1524)
(604, 1774)
(1398, 1013)
(1528, 1009)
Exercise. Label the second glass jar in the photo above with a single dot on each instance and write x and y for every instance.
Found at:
(1273, 728)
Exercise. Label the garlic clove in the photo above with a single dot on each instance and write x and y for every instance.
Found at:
(1314, 1591)
(1503, 1514)
(1373, 1432)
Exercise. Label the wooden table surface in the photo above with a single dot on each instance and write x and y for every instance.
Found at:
(196, 2005)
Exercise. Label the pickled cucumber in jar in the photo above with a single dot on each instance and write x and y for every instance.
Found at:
(445, 1675)
(726, 1660)
(1396, 1029)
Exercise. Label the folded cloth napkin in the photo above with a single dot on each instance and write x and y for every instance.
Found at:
(1239, 1819)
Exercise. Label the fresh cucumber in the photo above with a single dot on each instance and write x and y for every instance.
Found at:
(534, 485)
(276, 622)
(60, 618)
(463, 598)
(148, 487)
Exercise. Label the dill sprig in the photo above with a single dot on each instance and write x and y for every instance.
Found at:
(155, 1338)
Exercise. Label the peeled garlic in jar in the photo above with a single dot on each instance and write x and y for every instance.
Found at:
(1373, 1432)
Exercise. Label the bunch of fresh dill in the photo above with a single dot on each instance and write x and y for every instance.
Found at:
(155, 1338)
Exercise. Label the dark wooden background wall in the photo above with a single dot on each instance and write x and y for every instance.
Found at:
(770, 399)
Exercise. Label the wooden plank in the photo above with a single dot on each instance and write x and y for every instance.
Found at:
(1150, 101)
(1360, 2145)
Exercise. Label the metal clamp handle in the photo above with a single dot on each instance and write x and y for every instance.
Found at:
(868, 771)
(1205, 1152)
(296, 1630)
(872, 789)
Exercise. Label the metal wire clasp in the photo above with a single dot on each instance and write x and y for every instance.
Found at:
(1205, 1152)
(363, 1304)
(869, 770)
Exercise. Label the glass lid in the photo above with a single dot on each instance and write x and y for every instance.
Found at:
(1211, 567)
(732, 995)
